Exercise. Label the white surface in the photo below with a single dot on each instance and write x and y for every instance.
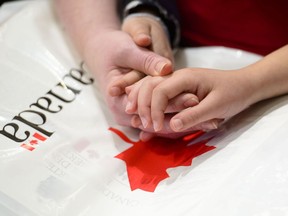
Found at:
(215, 57)
(245, 175)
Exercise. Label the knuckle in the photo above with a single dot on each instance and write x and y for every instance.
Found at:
(148, 63)
(124, 82)
(160, 91)
(144, 110)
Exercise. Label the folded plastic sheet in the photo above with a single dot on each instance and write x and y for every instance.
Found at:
(62, 155)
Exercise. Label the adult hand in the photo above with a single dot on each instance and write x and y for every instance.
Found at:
(147, 32)
(112, 54)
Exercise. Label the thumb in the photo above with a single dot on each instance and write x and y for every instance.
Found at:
(148, 62)
(206, 111)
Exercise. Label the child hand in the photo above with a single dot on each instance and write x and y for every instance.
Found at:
(167, 132)
(222, 94)
(140, 93)
(139, 96)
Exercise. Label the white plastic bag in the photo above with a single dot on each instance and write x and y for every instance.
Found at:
(59, 158)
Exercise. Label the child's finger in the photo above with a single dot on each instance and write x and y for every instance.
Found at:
(166, 131)
(181, 101)
(160, 100)
(118, 87)
(144, 99)
(207, 109)
(136, 121)
(208, 125)
(132, 105)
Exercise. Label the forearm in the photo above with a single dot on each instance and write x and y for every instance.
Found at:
(270, 75)
(85, 19)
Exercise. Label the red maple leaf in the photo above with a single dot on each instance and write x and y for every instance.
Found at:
(147, 162)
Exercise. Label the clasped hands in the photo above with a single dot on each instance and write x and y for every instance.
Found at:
(144, 92)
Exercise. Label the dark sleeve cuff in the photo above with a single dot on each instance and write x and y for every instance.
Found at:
(167, 16)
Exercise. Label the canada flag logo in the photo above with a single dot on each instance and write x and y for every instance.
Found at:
(35, 140)
(147, 162)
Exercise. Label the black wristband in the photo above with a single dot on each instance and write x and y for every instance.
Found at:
(158, 10)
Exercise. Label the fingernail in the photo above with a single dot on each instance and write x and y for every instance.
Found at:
(136, 125)
(115, 91)
(136, 122)
(144, 122)
(159, 67)
(145, 37)
(177, 124)
(156, 126)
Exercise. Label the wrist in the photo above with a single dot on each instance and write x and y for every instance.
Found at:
(259, 85)
(247, 86)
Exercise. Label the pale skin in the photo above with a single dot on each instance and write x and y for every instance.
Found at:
(110, 53)
(148, 32)
(222, 94)
(152, 37)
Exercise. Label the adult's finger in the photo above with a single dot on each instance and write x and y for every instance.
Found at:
(140, 31)
(148, 32)
(148, 62)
